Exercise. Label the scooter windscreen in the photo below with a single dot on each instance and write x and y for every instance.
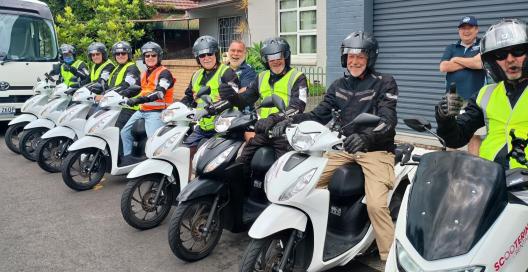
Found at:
(454, 200)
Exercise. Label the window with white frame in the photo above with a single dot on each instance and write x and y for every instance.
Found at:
(297, 24)
(227, 29)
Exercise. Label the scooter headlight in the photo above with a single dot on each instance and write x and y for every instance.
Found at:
(407, 264)
(167, 145)
(222, 124)
(299, 185)
(28, 104)
(272, 173)
(199, 154)
(218, 160)
(67, 115)
(302, 141)
(167, 116)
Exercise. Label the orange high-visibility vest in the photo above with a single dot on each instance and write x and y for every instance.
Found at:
(148, 86)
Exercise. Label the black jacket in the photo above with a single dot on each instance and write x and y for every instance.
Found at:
(458, 131)
(376, 94)
(228, 76)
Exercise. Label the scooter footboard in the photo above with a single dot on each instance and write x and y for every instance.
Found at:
(271, 221)
(200, 187)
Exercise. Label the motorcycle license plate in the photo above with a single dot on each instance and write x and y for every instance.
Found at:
(7, 111)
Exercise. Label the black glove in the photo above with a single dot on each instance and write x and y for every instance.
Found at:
(134, 101)
(71, 69)
(226, 91)
(355, 143)
(449, 106)
(280, 128)
(263, 125)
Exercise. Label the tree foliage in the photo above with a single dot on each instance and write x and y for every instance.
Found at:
(253, 57)
(81, 22)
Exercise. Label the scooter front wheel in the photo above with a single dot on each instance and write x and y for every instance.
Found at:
(139, 205)
(188, 238)
(266, 254)
(83, 169)
(29, 140)
(12, 136)
(50, 153)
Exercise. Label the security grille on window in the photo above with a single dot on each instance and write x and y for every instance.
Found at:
(228, 31)
(297, 24)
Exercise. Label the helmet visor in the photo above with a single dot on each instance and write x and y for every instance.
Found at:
(347, 50)
(504, 35)
(275, 56)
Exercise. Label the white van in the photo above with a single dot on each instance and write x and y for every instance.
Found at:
(28, 49)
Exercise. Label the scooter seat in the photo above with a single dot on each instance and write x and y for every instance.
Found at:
(263, 159)
(138, 129)
(347, 181)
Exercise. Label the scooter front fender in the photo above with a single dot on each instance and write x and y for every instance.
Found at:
(40, 123)
(269, 222)
(151, 166)
(200, 187)
(25, 117)
(88, 142)
(59, 132)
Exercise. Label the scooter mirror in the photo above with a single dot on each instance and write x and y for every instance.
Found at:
(278, 102)
(207, 99)
(204, 90)
(418, 124)
(365, 119)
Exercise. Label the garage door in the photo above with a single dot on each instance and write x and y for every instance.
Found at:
(413, 35)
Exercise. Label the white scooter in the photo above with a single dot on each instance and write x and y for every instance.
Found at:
(463, 214)
(47, 119)
(157, 182)
(54, 144)
(313, 229)
(97, 152)
(29, 110)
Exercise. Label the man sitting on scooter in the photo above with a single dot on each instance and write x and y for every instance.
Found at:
(501, 106)
(280, 79)
(362, 90)
(157, 88)
(71, 67)
(101, 66)
(212, 74)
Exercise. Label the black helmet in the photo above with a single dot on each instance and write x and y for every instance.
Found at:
(67, 48)
(98, 47)
(206, 45)
(120, 47)
(506, 33)
(152, 47)
(360, 41)
(272, 47)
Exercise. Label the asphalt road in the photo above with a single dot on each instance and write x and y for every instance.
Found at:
(45, 226)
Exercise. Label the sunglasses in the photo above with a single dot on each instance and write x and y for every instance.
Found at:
(121, 53)
(516, 52)
(206, 54)
(95, 54)
(150, 56)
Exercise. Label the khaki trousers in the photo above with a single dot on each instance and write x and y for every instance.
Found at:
(378, 168)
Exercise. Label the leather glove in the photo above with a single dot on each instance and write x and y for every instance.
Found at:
(263, 125)
(227, 92)
(279, 129)
(134, 101)
(449, 106)
(355, 143)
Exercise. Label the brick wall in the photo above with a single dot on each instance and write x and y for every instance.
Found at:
(182, 69)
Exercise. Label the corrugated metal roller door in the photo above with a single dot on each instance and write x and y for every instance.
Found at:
(413, 35)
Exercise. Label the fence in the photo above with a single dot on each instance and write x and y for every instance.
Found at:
(316, 77)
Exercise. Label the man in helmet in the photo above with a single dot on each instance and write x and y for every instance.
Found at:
(362, 90)
(101, 66)
(71, 67)
(280, 79)
(157, 90)
(501, 106)
(212, 74)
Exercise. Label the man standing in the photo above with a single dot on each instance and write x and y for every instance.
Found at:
(499, 107)
(237, 61)
(461, 61)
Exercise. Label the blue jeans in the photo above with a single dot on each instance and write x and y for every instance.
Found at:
(197, 135)
(152, 123)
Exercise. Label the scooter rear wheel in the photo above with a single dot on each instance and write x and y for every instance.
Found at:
(137, 202)
(186, 230)
(76, 172)
(50, 153)
(12, 136)
(266, 254)
(29, 140)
